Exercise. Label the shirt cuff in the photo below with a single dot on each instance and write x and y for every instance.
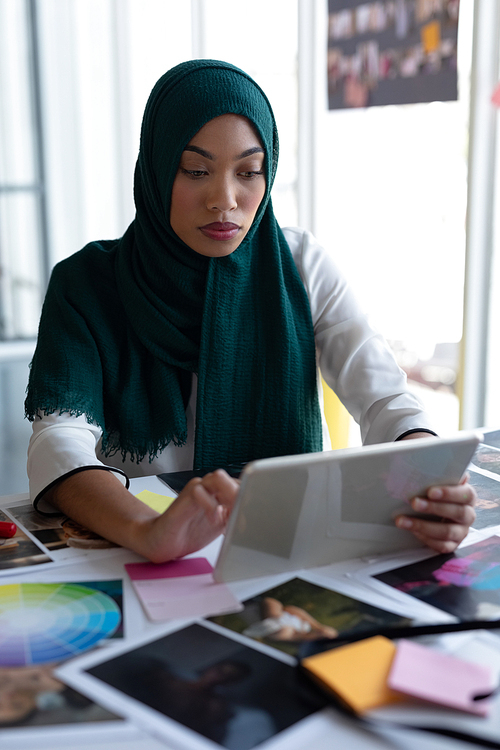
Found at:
(412, 432)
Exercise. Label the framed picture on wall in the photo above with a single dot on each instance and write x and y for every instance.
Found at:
(391, 52)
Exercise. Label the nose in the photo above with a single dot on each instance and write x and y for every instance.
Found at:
(222, 195)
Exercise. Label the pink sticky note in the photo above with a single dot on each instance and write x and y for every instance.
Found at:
(432, 676)
(189, 566)
(181, 588)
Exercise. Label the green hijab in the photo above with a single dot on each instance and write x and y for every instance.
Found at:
(125, 323)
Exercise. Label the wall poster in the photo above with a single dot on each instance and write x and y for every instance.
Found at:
(391, 52)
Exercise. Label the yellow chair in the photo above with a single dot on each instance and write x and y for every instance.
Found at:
(337, 418)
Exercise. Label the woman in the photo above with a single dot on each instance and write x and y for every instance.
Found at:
(192, 340)
(287, 623)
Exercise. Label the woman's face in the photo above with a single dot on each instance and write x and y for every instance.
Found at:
(219, 186)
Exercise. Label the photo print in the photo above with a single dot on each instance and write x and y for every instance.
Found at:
(488, 500)
(57, 532)
(292, 616)
(465, 584)
(19, 551)
(487, 457)
(47, 622)
(41, 625)
(33, 697)
(225, 691)
(492, 438)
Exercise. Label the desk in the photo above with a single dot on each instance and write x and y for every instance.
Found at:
(320, 732)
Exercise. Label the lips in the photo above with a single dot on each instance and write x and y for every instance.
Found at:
(219, 230)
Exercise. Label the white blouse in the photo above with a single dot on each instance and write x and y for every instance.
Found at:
(354, 360)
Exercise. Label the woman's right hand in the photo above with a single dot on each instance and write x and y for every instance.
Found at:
(98, 500)
(197, 516)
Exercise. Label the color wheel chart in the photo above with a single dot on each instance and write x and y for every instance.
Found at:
(48, 622)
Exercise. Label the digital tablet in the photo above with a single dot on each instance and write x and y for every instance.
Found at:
(313, 509)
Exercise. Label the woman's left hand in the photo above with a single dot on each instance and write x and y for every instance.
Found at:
(454, 506)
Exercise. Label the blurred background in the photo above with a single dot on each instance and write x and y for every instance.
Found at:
(404, 196)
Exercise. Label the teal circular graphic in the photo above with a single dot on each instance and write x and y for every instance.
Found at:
(49, 622)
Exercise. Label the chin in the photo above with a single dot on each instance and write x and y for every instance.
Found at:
(215, 249)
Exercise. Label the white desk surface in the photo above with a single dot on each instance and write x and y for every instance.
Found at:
(333, 731)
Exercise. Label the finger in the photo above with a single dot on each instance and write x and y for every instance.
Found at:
(202, 487)
(461, 514)
(443, 537)
(213, 495)
(223, 487)
(443, 546)
(194, 494)
(222, 515)
(205, 500)
(192, 483)
(461, 494)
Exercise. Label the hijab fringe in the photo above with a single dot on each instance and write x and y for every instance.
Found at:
(110, 441)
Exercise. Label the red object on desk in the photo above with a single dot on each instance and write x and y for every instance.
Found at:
(7, 529)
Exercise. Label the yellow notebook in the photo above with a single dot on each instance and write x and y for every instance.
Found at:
(356, 673)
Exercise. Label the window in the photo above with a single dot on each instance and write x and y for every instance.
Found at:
(392, 205)
(23, 228)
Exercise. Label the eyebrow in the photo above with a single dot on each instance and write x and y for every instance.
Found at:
(208, 155)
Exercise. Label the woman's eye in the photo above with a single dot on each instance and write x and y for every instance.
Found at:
(194, 173)
(251, 175)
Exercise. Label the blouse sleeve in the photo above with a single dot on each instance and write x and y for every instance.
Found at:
(62, 445)
(354, 360)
